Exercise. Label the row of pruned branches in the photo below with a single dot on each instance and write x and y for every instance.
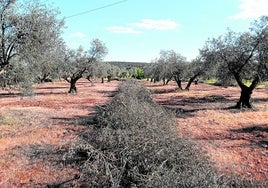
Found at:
(32, 50)
(134, 143)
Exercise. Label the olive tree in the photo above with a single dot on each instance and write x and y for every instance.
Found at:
(199, 67)
(194, 70)
(165, 65)
(45, 65)
(78, 62)
(242, 55)
(99, 70)
(179, 70)
(148, 71)
(114, 72)
(26, 29)
(28, 32)
(156, 70)
(13, 76)
(171, 65)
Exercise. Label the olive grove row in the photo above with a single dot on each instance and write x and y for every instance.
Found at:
(32, 50)
(239, 57)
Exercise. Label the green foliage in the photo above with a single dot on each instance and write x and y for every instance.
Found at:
(240, 56)
(27, 88)
(139, 73)
(30, 38)
(17, 76)
(80, 63)
(211, 81)
(98, 69)
(263, 85)
(170, 65)
(128, 75)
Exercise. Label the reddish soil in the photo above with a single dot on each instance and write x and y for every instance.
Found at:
(236, 140)
(36, 131)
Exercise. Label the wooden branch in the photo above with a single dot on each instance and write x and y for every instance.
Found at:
(239, 80)
(254, 83)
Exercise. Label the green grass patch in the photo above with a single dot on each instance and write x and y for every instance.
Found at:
(211, 81)
(263, 85)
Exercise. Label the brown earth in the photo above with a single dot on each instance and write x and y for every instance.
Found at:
(36, 131)
(236, 140)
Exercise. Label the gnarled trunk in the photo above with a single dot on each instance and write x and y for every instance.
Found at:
(90, 80)
(164, 81)
(43, 78)
(74, 78)
(73, 88)
(245, 96)
(244, 100)
(178, 81)
(109, 78)
(168, 80)
(191, 81)
(73, 81)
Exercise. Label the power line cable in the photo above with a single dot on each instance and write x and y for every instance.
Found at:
(95, 9)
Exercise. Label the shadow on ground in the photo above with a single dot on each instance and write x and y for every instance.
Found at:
(258, 134)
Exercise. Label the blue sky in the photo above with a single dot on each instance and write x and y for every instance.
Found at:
(136, 30)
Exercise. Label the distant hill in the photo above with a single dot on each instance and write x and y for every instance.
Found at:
(125, 64)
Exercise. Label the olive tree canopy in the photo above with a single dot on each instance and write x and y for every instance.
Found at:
(242, 56)
(26, 29)
(77, 63)
(29, 32)
(170, 65)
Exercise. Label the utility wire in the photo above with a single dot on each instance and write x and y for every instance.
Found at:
(95, 9)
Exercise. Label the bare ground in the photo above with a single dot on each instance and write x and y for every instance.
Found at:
(36, 131)
(236, 140)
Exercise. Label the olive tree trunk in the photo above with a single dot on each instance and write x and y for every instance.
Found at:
(72, 82)
(73, 88)
(191, 81)
(246, 91)
(244, 100)
(178, 81)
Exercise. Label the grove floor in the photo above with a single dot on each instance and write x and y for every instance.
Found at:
(36, 131)
(236, 140)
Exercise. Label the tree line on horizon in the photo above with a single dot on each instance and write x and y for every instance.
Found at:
(33, 51)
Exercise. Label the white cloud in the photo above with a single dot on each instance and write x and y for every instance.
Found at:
(77, 35)
(119, 29)
(252, 9)
(156, 24)
(149, 24)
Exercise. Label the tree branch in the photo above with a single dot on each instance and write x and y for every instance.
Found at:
(239, 80)
(254, 83)
(250, 56)
(66, 79)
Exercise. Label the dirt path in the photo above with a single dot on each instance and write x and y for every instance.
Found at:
(237, 141)
(35, 131)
